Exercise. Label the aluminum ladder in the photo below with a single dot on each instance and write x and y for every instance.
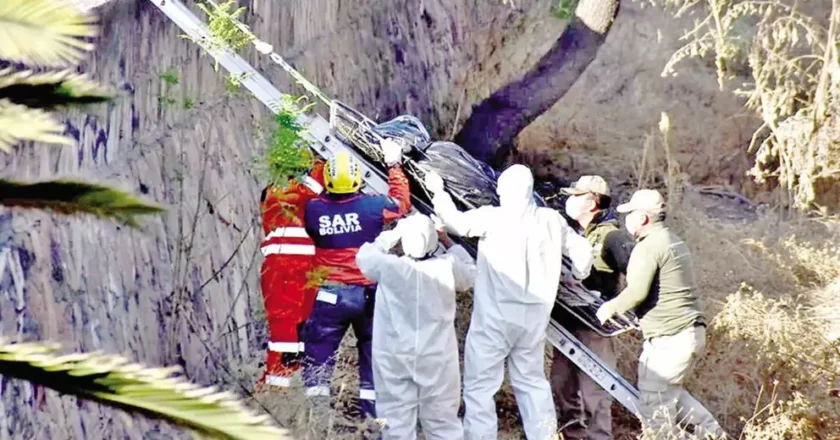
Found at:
(325, 144)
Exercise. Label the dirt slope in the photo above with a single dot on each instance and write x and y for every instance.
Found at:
(185, 290)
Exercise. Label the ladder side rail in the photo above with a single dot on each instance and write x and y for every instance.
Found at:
(260, 87)
(319, 132)
(609, 379)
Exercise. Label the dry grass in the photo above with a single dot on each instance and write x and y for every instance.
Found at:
(772, 362)
(314, 419)
(788, 51)
(770, 283)
(772, 359)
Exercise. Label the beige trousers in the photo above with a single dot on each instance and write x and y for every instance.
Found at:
(664, 365)
(584, 407)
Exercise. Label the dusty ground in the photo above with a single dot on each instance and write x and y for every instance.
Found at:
(768, 279)
(769, 283)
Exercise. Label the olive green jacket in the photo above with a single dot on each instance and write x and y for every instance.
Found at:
(660, 285)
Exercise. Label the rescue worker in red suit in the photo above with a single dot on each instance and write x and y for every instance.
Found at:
(339, 222)
(289, 256)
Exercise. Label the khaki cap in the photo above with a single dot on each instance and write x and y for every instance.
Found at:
(588, 184)
(648, 200)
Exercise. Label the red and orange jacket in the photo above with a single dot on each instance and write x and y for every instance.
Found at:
(282, 215)
(339, 224)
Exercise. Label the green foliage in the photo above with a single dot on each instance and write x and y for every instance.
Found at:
(223, 24)
(51, 32)
(155, 392)
(165, 101)
(70, 197)
(226, 32)
(288, 154)
(45, 32)
(169, 77)
(21, 123)
(50, 90)
(564, 9)
(188, 103)
(234, 82)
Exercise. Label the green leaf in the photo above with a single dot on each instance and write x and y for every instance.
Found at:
(154, 392)
(20, 123)
(223, 25)
(51, 89)
(564, 9)
(44, 32)
(169, 77)
(287, 155)
(72, 197)
(225, 31)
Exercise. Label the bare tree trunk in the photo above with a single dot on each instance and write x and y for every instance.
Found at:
(491, 130)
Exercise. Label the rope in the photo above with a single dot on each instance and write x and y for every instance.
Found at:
(361, 128)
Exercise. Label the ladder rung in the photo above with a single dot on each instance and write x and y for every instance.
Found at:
(325, 144)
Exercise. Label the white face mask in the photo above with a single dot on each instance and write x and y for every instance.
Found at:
(631, 222)
(575, 206)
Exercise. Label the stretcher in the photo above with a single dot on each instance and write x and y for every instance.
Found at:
(470, 182)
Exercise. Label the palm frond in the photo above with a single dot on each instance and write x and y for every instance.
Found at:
(154, 392)
(50, 89)
(73, 197)
(21, 123)
(44, 32)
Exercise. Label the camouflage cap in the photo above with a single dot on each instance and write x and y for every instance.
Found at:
(588, 184)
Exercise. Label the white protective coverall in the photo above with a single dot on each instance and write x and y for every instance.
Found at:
(519, 268)
(415, 349)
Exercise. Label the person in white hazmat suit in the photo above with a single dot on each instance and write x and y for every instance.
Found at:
(416, 373)
(520, 256)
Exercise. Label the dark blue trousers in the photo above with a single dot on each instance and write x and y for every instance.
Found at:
(338, 307)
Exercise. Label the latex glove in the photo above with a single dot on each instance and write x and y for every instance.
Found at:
(439, 226)
(387, 239)
(434, 183)
(392, 151)
(443, 236)
(604, 313)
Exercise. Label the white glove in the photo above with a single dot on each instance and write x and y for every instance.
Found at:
(439, 226)
(387, 240)
(392, 151)
(604, 313)
(434, 183)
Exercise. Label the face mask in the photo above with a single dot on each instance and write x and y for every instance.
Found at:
(631, 224)
(575, 207)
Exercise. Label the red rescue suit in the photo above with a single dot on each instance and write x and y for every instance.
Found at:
(289, 256)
